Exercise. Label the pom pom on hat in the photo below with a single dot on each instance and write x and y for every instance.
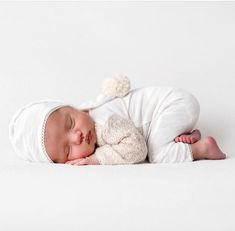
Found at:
(117, 86)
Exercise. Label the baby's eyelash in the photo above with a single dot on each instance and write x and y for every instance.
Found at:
(72, 122)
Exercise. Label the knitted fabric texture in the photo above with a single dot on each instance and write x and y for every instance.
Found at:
(119, 142)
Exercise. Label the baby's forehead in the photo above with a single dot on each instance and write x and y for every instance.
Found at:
(67, 107)
(61, 113)
(63, 110)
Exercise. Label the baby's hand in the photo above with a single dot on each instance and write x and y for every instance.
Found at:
(82, 161)
(90, 160)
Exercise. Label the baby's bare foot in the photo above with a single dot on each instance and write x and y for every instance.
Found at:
(213, 151)
(189, 138)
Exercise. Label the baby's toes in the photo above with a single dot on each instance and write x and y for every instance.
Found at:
(187, 140)
(193, 140)
(176, 139)
(184, 139)
(190, 141)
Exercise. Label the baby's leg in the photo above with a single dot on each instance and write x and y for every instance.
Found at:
(178, 115)
(189, 138)
(207, 148)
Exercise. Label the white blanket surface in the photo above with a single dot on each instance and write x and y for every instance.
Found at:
(188, 196)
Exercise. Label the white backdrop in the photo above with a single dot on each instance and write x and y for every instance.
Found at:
(64, 50)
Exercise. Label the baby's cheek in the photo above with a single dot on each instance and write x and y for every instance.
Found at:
(84, 119)
(85, 151)
(90, 150)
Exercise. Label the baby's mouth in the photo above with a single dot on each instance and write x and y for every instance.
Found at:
(81, 138)
(88, 137)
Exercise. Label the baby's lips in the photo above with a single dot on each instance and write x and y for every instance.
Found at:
(81, 138)
(88, 137)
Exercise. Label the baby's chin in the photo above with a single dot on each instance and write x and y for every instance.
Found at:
(90, 151)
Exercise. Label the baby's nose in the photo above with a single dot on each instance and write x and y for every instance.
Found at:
(77, 137)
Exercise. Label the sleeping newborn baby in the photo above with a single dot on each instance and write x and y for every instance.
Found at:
(119, 127)
(71, 136)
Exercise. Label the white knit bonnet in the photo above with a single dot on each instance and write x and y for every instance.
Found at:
(27, 127)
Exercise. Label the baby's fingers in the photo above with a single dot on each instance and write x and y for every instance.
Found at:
(81, 161)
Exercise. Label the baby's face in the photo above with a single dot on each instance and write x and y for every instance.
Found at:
(69, 134)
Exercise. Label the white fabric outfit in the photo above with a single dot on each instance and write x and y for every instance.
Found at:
(161, 114)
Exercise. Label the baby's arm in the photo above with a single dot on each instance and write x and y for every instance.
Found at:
(124, 143)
